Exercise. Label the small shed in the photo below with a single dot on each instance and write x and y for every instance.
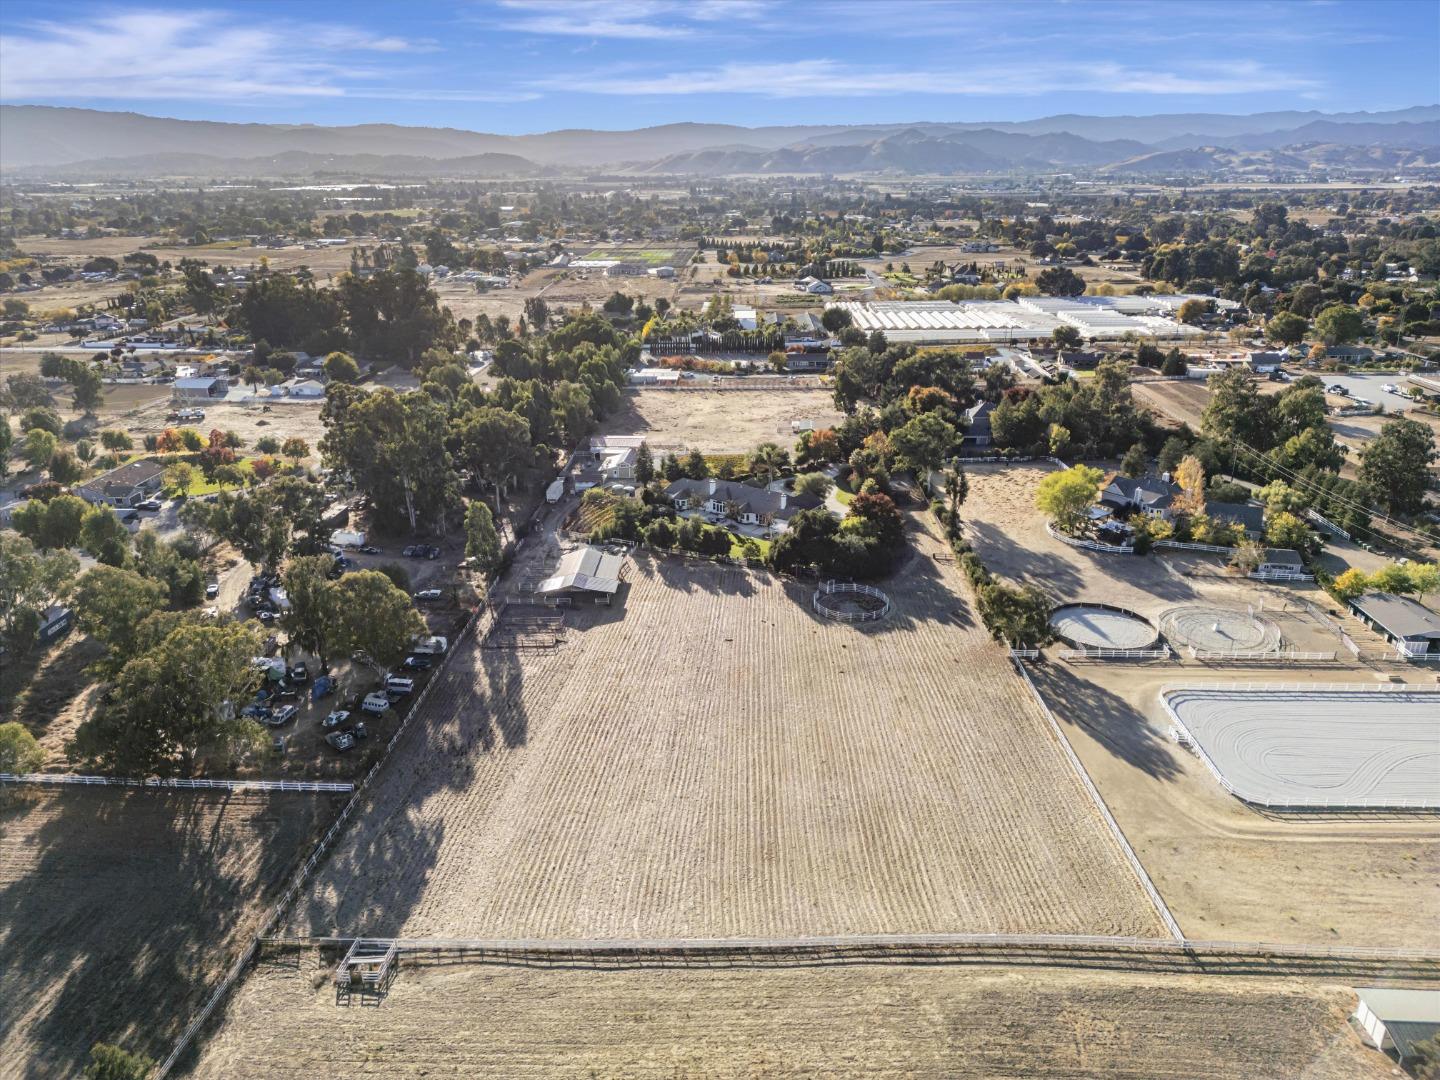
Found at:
(206, 388)
(1396, 1018)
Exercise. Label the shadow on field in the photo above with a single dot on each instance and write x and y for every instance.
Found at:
(374, 876)
(1007, 559)
(36, 686)
(132, 905)
(1114, 722)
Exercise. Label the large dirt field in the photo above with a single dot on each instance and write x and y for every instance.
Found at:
(709, 759)
(121, 909)
(839, 1021)
(719, 421)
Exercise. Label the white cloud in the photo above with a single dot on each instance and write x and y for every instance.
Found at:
(832, 79)
(640, 20)
(195, 55)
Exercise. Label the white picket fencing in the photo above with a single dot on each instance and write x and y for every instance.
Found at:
(1089, 545)
(1162, 653)
(1264, 656)
(1177, 545)
(1279, 576)
(59, 779)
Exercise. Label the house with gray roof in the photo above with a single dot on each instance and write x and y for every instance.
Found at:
(739, 502)
(126, 486)
(1249, 516)
(1395, 1018)
(1149, 494)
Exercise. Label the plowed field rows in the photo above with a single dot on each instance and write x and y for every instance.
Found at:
(481, 1021)
(119, 910)
(710, 759)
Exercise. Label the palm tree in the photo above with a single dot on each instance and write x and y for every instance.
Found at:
(767, 460)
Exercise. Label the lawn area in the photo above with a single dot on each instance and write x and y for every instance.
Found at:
(204, 486)
(843, 493)
(737, 545)
(648, 256)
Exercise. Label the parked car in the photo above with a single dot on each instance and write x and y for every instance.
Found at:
(421, 551)
(212, 590)
(300, 673)
(397, 684)
(1390, 388)
(340, 740)
(283, 715)
(430, 646)
(149, 504)
(324, 687)
(429, 594)
(1336, 388)
(287, 692)
(416, 663)
(335, 719)
(375, 703)
(370, 549)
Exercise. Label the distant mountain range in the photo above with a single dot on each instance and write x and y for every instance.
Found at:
(65, 142)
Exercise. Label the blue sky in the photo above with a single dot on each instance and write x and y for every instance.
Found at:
(534, 65)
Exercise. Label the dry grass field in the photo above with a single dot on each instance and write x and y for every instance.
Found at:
(709, 759)
(720, 421)
(835, 1022)
(119, 910)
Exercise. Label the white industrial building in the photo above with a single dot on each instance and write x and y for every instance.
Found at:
(1098, 318)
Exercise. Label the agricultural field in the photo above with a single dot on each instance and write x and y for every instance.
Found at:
(710, 759)
(719, 421)
(835, 1021)
(648, 256)
(123, 908)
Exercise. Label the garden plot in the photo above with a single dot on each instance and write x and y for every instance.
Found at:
(709, 758)
(1291, 748)
(962, 1023)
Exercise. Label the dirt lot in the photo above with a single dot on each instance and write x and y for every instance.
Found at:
(839, 1021)
(1010, 537)
(1225, 870)
(709, 759)
(122, 908)
(719, 421)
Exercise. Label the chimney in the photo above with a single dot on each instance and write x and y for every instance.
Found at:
(713, 485)
(784, 498)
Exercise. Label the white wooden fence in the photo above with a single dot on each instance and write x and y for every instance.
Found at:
(1089, 545)
(1275, 575)
(1162, 653)
(1178, 545)
(840, 588)
(58, 779)
(1326, 524)
(1264, 656)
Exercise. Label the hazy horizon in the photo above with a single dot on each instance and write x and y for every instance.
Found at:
(529, 66)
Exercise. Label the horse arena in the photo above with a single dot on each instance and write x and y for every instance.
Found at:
(1218, 629)
(1292, 748)
(1100, 626)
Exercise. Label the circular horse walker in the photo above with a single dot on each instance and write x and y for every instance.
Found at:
(848, 602)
